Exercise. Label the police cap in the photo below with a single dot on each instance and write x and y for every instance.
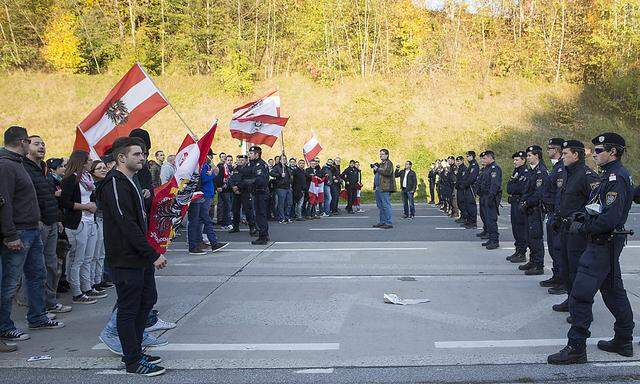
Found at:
(489, 152)
(609, 138)
(256, 149)
(482, 154)
(451, 158)
(556, 142)
(521, 154)
(573, 144)
(459, 158)
(534, 148)
(472, 153)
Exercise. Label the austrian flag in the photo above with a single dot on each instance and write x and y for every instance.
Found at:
(130, 104)
(316, 190)
(311, 148)
(259, 122)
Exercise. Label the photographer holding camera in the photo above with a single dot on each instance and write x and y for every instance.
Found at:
(383, 184)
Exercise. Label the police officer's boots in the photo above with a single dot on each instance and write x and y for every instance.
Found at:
(621, 347)
(519, 258)
(569, 355)
(515, 254)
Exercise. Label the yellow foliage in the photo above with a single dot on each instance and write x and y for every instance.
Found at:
(62, 46)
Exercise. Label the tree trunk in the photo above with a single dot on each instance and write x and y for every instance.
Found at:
(561, 42)
(13, 37)
(162, 35)
(133, 24)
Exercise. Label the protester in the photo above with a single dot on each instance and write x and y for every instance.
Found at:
(21, 251)
(282, 185)
(327, 170)
(168, 169)
(79, 206)
(57, 167)
(154, 168)
(221, 181)
(99, 172)
(297, 187)
(350, 177)
(131, 258)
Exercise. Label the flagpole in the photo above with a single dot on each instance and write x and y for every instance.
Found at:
(195, 137)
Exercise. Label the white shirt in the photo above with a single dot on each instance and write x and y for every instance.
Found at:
(404, 179)
(85, 197)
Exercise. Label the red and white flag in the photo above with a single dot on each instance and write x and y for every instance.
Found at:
(171, 200)
(130, 104)
(311, 148)
(316, 190)
(259, 122)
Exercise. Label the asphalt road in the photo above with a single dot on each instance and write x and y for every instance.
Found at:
(308, 308)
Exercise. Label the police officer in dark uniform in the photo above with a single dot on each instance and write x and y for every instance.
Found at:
(515, 188)
(432, 184)
(531, 205)
(479, 180)
(550, 195)
(599, 265)
(260, 172)
(491, 188)
(469, 191)
(241, 184)
(461, 173)
(575, 183)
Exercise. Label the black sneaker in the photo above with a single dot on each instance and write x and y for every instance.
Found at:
(145, 369)
(481, 234)
(97, 288)
(621, 347)
(92, 294)
(218, 246)
(486, 243)
(557, 290)
(151, 359)
(521, 258)
(562, 307)
(569, 355)
(14, 335)
(106, 285)
(50, 324)
(234, 230)
(526, 266)
(549, 282)
(260, 241)
(534, 271)
(492, 246)
(197, 251)
(471, 226)
(83, 299)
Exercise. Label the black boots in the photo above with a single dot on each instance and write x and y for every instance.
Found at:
(569, 355)
(621, 347)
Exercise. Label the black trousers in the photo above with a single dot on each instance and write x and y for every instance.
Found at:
(136, 290)
(470, 206)
(535, 236)
(335, 197)
(432, 195)
(519, 227)
(261, 203)
(244, 201)
(553, 244)
(572, 246)
(352, 194)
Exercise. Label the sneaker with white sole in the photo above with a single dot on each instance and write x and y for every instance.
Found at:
(161, 325)
(50, 324)
(92, 294)
(112, 342)
(145, 368)
(150, 341)
(50, 316)
(14, 335)
(218, 246)
(83, 299)
(59, 308)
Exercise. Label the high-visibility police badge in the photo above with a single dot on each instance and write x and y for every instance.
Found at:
(494, 174)
(538, 183)
(559, 182)
(611, 197)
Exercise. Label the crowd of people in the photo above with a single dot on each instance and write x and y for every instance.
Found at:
(78, 226)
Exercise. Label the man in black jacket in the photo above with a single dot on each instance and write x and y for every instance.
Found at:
(282, 188)
(298, 182)
(408, 183)
(49, 219)
(432, 183)
(131, 258)
(351, 179)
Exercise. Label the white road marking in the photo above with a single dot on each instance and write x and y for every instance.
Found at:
(112, 372)
(347, 217)
(459, 228)
(512, 343)
(618, 364)
(311, 250)
(242, 347)
(345, 229)
(315, 370)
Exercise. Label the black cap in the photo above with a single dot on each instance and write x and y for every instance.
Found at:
(471, 153)
(54, 163)
(459, 158)
(573, 144)
(241, 156)
(451, 157)
(609, 138)
(482, 154)
(556, 141)
(489, 152)
(534, 148)
(521, 154)
(142, 134)
(255, 148)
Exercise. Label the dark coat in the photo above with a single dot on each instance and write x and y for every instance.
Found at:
(280, 181)
(71, 195)
(45, 191)
(20, 209)
(412, 179)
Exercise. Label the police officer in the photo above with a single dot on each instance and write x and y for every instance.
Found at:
(461, 172)
(432, 183)
(260, 172)
(241, 184)
(469, 191)
(531, 205)
(550, 195)
(599, 265)
(515, 188)
(491, 188)
(575, 183)
(479, 180)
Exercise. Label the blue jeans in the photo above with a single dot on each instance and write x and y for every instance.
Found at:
(30, 261)
(383, 202)
(408, 204)
(198, 216)
(285, 202)
(225, 197)
(326, 208)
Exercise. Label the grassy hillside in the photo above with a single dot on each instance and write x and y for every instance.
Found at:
(416, 118)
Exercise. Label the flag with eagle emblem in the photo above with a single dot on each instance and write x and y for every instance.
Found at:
(130, 104)
(259, 121)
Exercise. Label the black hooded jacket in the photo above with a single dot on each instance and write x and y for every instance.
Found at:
(125, 223)
(45, 191)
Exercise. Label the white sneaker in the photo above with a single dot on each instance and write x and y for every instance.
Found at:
(324, 214)
(161, 325)
(59, 308)
(228, 227)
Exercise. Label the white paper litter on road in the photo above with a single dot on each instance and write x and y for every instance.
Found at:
(392, 298)
(38, 358)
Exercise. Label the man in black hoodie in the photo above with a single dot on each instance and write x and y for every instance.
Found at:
(129, 255)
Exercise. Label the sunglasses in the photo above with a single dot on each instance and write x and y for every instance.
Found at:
(599, 150)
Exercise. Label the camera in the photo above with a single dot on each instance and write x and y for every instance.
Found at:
(374, 165)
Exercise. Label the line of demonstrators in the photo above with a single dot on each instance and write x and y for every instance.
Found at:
(76, 225)
(582, 211)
